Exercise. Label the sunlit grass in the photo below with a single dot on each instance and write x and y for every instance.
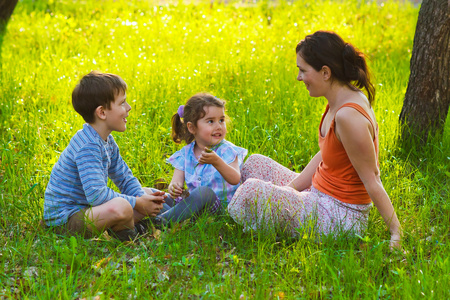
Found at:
(241, 52)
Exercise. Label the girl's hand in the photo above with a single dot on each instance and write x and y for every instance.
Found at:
(208, 157)
(175, 189)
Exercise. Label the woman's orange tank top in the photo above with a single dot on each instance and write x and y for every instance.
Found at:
(335, 175)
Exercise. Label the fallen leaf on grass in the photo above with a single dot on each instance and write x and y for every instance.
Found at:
(156, 234)
(102, 262)
(134, 259)
(178, 226)
(162, 276)
(105, 264)
(31, 273)
(103, 236)
(363, 246)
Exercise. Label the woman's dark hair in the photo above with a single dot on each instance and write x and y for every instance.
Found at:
(194, 110)
(347, 64)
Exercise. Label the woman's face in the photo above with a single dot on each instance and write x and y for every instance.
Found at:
(314, 80)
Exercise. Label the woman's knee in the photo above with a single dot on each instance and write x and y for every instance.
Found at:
(253, 164)
(256, 157)
(250, 188)
(252, 160)
(252, 183)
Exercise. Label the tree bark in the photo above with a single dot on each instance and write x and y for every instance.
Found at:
(6, 10)
(427, 97)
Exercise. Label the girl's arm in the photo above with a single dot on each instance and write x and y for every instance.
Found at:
(231, 173)
(355, 134)
(177, 183)
(304, 179)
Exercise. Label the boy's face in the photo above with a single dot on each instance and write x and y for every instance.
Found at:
(116, 115)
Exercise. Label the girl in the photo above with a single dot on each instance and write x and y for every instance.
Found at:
(207, 160)
(335, 190)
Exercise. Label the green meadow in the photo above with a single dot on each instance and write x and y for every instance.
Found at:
(243, 52)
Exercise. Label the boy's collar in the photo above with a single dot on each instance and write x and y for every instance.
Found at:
(95, 133)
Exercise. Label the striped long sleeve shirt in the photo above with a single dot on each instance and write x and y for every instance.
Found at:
(80, 176)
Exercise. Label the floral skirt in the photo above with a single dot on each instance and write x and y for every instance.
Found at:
(265, 202)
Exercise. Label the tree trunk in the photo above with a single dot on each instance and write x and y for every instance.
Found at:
(6, 10)
(427, 97)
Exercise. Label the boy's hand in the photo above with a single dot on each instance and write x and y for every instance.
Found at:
(208, 157)
(150, 205)
(157, 197)
(175, 189)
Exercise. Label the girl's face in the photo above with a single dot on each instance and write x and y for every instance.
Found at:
(314, 80)
(211, 129)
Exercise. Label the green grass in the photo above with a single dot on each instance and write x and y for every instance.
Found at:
(241, 52)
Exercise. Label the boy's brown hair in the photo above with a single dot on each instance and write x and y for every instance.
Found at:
(96, 89)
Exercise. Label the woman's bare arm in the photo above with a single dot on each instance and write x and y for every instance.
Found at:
(304, 179)
(355, 133)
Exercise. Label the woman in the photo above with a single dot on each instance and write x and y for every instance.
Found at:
(336, 189)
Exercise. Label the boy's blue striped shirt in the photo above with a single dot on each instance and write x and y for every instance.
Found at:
(79, 178)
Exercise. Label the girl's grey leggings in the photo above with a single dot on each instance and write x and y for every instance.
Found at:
(198, 201)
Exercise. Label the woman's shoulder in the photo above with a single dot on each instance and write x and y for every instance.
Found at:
(358, 110)
(354, 117)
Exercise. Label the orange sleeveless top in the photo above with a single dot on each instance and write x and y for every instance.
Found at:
(335, 175)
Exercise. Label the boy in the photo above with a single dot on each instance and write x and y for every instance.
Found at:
(77, 198)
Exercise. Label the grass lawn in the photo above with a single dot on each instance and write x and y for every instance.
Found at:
(242, 52)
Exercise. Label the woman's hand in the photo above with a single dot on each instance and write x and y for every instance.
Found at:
(396, 240)
(304, 180)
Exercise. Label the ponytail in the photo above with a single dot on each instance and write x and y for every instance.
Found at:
(179, 131)
(356, 70)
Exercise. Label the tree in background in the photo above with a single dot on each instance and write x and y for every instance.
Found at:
(6, 10)
(427, 97)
